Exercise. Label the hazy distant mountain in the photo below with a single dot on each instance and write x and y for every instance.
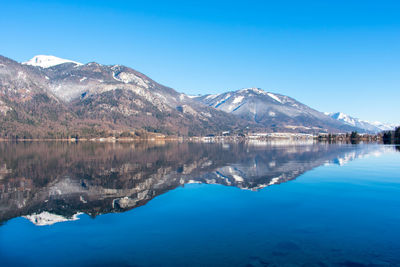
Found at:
(273, 111)
(365, 125)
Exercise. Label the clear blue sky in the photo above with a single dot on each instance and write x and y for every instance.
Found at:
(331, 55)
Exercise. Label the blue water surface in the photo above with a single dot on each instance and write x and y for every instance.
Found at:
(332, 215)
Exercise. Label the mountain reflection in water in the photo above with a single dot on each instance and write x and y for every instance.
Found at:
(54, 182)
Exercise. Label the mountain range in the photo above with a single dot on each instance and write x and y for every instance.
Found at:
(273, 111)
(50, 97)
(373, 127)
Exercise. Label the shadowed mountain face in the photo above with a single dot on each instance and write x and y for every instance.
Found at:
(52, 182)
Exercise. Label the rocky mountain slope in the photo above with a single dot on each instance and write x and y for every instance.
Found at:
(52, 97)
(273, 111)
(374, 127)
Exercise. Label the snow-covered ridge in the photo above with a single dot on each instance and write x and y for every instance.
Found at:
(344, 118)
(192, 96)
(366, 125)
(252, 90)
(46, 61)
(384, 126)
(271, 95)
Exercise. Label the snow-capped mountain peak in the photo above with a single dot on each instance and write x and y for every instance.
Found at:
(362, 124)
(252, 90)
(344, 118)
(259, 91)
(46, 61)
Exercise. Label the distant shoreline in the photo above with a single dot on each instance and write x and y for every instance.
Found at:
(331, 138)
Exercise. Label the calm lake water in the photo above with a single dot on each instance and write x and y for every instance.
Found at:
(191, 204)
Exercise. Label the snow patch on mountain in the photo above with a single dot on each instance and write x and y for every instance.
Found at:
(253, 90)
(222, 100)
(238, 100)
(211, 96)
(345, 118)
(192, 96)
(47, 218)
(271, 95)
(46, 61)
(127, 77)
